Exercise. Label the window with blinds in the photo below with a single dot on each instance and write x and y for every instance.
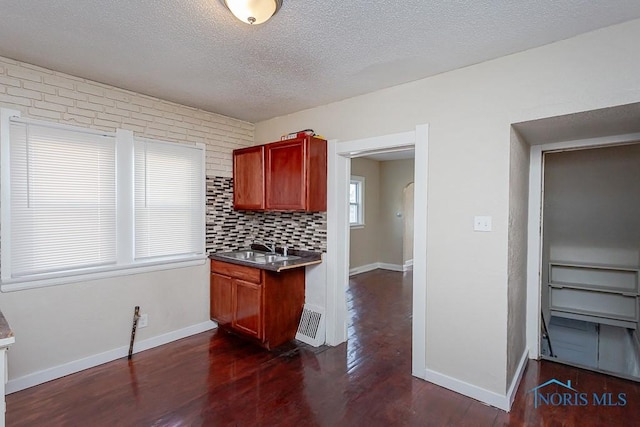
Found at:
(63, 199)
(78, 202)
(168, 185)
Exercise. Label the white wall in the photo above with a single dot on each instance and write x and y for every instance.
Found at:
(517, 267)
(408, 233)
(469, 112)
(592, 205)
(62, 324)
(395, 175)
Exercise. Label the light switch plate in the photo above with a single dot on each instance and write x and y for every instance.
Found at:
(481, 223)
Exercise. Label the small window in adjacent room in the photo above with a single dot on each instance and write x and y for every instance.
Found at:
(356, 201)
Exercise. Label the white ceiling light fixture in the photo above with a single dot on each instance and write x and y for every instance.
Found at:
(253, 11)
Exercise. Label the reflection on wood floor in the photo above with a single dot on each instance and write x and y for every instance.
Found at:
(216, 379)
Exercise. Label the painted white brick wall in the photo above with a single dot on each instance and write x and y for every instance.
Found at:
(44, 94)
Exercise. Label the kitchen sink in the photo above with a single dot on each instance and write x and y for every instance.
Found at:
(257, 257)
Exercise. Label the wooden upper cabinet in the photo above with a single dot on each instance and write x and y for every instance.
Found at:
(285, 169)
(248, 178)
(294, 176)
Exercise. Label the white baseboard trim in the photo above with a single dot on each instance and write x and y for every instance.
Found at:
(363, 269)
(469, 390)
(375, 266)
(392, 267)
(515, 382)
(59, 371)
(408, 265)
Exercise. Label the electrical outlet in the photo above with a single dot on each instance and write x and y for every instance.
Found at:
(482, 223)
(143, 321)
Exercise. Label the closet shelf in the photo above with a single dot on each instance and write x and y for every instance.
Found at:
(600, 293)
(596, 288)
(595, 314)
(595, 266)
(594, 277)
(589, 316)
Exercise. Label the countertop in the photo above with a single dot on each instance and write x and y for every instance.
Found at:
(306, 258)
(5, 330)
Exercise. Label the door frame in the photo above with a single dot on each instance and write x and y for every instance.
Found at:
(535, 230)
(337, 257)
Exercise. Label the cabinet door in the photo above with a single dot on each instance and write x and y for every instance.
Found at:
(221, 298)
(247, 308)
(248, 178)
(316, 175)
(285, 170)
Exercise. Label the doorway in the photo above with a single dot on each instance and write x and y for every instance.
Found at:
(381, 212)
(542, 269)
(339, 172)
(379, 288)
(591, 258)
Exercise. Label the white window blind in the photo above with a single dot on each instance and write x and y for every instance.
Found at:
(169, 199)
(63, 199)
(80, 204)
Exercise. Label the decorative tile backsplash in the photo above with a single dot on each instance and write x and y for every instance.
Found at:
(229, 230)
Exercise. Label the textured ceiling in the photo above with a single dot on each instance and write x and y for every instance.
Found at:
(311, 53)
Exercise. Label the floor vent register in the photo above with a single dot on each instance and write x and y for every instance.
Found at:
(311, 329)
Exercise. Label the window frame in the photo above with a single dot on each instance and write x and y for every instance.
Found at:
(125, 264)
(360, 185)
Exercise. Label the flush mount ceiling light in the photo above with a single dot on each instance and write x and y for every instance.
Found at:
(253, 11)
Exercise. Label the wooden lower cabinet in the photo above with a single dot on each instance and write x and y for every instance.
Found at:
(247, 308)
(260, 304)
(220, 304)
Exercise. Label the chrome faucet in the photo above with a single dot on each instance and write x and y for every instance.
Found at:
(270, 246)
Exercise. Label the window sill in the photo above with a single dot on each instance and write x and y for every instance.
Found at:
(357, 226)
(33, 283)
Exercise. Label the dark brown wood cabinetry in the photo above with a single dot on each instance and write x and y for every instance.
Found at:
(247, 308)
(220, 303)
(291, 177)
(296, 175)
(263, 305)
(248, 178)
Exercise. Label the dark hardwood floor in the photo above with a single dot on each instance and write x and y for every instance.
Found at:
(216, 379)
